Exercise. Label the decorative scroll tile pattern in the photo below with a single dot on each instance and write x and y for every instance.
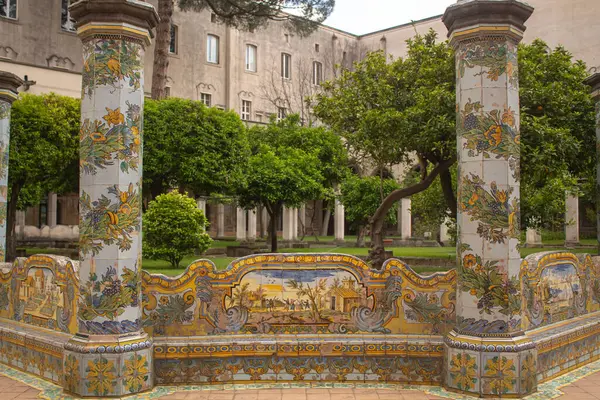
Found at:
(298, 294)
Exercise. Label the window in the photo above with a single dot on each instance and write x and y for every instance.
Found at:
(250, 58)
(287, 37)
(213, 17)
(281, 113)
(212, 49)
(246, 110)
(167, 91)
(66, 22)
(286, 65)
(173, 42)
(317, 73)
(316, 47)
(8, 8)
(206, 98)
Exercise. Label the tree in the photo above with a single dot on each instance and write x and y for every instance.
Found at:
(557, 138)
(192, 147)
(290, 164)
(361, 198)
(390, 113)
(43, 153)
(558, 145)
(240, 14)
(173, 228)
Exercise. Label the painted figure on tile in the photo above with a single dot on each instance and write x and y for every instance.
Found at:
(40, 294)
(111, 62)
(109, 220)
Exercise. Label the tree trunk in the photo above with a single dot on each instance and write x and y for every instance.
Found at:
(325, 226)
(161, 49)
(448, 190)
(274, 214)
(360, 237)
(377, 252)
(11, 219)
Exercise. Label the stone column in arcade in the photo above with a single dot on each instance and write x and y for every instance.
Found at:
(9, 84)
(487, 353)
(111, 355)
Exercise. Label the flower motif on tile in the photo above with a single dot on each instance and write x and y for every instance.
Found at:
(493, 133)
(495, 212)
(136, 373)
(101, 376)
(72, 376)
(503, 372)
(111, 62)
(528, 373)
(109, 220)
(115, 139)
(463, 371)
(107, 295)
(170, 309)
(4, 158)
(496, 58)
(491, 286)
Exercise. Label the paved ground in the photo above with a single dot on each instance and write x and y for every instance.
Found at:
(587, 388)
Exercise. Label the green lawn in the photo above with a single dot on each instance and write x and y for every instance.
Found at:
(162, 267)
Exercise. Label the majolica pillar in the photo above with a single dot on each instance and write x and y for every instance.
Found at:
(111, 355)
(594, 82)
(9, 84)
(487, 353)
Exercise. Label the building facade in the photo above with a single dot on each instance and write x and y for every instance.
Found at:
(269, 71)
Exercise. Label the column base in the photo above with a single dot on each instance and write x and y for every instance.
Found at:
(572, 243)
(108, 365)
(490, 366)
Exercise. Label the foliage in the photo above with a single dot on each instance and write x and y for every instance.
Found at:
(388, 112)
(173, 228)
(361, 197)
(290, 164)
(557, 130)
(44, 124)
(43, 152)
(192, 147)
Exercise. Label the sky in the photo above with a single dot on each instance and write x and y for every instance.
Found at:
(364, 16)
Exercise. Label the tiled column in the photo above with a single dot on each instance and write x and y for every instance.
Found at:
(487, 352)
(594, 82)
(9, 83)
(111, 355)
(571, 219)
(220, 220)
(251, 235)
(240, 225)
(52, 209)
